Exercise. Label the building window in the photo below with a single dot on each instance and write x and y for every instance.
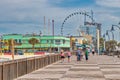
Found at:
(57, 42)
(63, 41)
(16, 40)
(51, 41)
(47, 41)
(76, 40)
(20, 41)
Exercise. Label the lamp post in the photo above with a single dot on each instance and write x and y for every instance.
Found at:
(1, 43)
(108, 34)
(112, 35)
(112, 28)
(0, 47)
(40, 39)
(104, 42)
(98, 41)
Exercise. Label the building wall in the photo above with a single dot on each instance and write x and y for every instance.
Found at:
(44, 41)
(89, 30)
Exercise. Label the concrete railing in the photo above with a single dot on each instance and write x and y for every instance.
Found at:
(113, 53)
(117, 53)
(12, 69)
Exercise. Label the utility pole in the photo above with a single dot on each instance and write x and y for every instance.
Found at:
(104, 42)
(53, 27)
(12, 46)
(53, 32)
(48, 26)
(98, 41)
(0, 47)
(44, 26)
(92, 16)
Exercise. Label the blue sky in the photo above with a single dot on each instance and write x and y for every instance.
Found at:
(72, 3)
(27, 16)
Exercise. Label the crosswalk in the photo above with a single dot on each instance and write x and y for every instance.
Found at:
(97, 68)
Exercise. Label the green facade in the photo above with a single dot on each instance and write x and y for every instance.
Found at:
(44, 41)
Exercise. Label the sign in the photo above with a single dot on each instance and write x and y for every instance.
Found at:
(92, 23)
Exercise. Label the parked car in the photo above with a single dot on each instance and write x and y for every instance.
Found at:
(19, 52)
(39, 52)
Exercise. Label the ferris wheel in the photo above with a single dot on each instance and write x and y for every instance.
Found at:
(72, 22)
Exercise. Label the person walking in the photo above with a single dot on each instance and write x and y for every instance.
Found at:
(68, 55)
(93, 51)
(62, 55)
(78, 54)
(86, 54)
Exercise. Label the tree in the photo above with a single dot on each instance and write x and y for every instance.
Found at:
(85, 42)
(110, 45)
(101, 42)
(11, 44)
(118, 44)
(33, 41)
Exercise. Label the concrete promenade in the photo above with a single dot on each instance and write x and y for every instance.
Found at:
(96, 68)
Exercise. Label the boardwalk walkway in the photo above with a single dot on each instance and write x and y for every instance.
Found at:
(97, 68)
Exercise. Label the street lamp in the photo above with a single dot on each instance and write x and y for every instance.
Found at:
(119, 23)
(108, 34)
(104, 41)
(112, 28)
(40, 39)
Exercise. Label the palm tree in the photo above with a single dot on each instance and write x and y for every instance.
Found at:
(85, 42)
(101, 42)
(110, 45)
(118, 44)
(11, 43)
(33, 41)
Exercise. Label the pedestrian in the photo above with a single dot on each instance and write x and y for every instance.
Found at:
(93, 51)
(86, 54)
(78, 54)
(82, 53)
(89, 51)
(68, 55)
(62, 55)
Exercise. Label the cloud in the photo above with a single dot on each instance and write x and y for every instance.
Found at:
(107, 18)
(109, 3)
(27, 15)
(21, 13)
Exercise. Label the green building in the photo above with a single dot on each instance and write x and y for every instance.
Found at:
(46, 43)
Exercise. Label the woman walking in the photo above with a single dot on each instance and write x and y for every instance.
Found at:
(62, 55)
(93, 51)
(68, 55)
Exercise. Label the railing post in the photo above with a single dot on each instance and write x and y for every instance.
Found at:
(1, 71)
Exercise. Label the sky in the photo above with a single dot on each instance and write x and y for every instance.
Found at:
(27, 16)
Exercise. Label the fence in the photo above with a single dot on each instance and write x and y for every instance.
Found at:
(10, 70)
(113, 53)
